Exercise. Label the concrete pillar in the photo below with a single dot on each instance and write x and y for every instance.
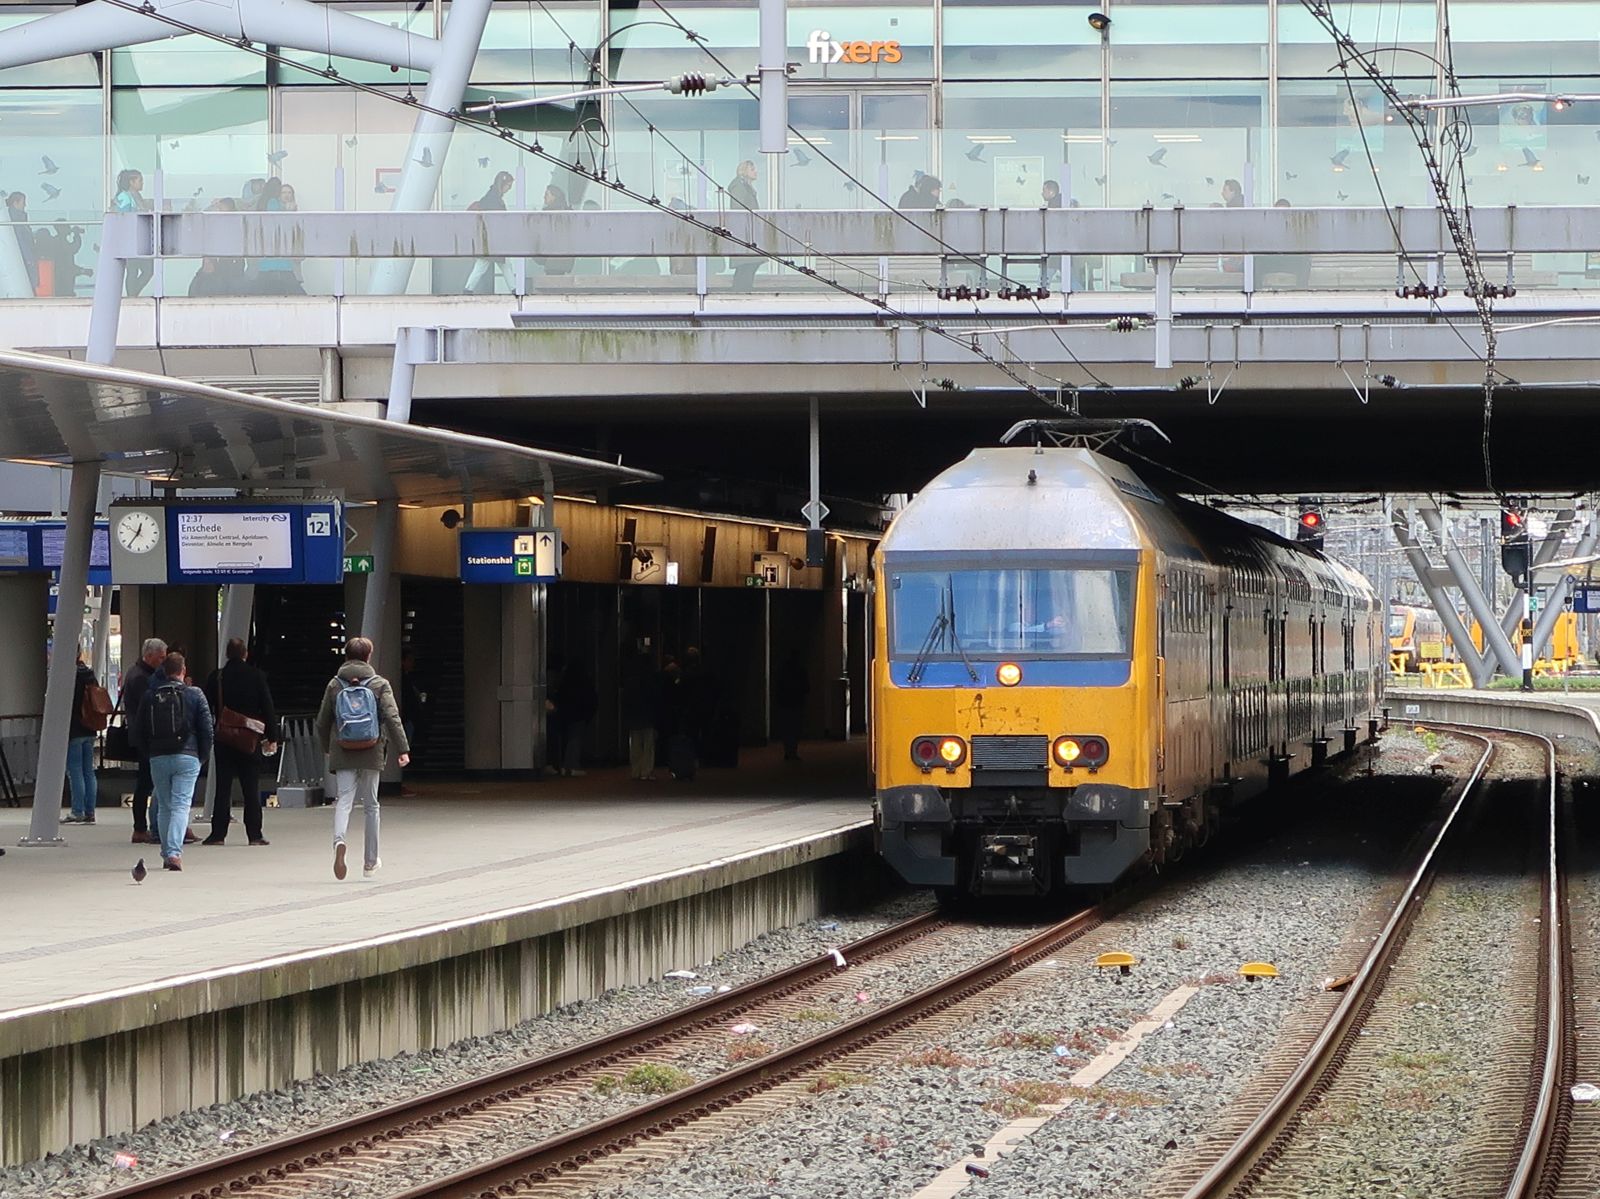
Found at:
(522, 673)
(45, 826)
(24, 614)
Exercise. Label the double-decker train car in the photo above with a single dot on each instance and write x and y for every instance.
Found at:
(1417, 635)
(1077, 674)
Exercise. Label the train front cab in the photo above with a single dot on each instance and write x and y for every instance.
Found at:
(1028, 762)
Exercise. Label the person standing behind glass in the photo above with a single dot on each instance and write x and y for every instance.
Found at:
(480, 282)
(555, 200)
(742, 191)
(17, 213)
(130, 198)
(275, 276)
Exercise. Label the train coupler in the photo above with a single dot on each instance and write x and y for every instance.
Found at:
(1009, 862)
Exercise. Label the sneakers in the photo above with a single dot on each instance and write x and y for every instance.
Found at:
(339, 870)
(369, 871)
(74, 820)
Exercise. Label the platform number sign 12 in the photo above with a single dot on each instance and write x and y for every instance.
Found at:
(319, 524)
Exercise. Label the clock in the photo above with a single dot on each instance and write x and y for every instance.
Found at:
(138, 532)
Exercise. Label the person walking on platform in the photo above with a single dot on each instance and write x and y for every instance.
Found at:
(641, 694)
(357, 725)
(173, 728)
(241, 704)
(90, 709)
(146, 830)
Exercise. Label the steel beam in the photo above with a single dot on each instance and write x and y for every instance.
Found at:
(44, 826)
(1477, 664)
(1495, 641)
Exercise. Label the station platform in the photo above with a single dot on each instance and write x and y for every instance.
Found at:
(1558, 714)
(496, 901)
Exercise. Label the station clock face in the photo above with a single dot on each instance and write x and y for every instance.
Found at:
(138, 532)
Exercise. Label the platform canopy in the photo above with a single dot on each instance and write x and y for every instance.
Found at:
(166, 430)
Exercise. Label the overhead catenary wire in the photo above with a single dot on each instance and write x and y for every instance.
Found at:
(600, 177)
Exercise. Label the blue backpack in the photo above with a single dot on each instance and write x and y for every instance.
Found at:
(355, 716)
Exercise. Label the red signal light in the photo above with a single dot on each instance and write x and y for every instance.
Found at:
(1311, 520)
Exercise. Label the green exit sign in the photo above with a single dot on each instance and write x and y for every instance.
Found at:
(358, 564)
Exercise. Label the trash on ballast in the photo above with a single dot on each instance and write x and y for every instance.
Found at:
(742, 1030)
(699, 990)
(1585, 1092)
(838, 958)
(1338, 984)
(863, 997)
(123, 1160)
(977, 1171)
(225, 1135)
(828, 926)
(724, 989)
(1061, 1051)
(680, 974)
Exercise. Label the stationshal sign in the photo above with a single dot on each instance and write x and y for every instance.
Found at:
(824, 48)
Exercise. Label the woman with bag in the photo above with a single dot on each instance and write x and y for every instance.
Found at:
(246, 728)
(91, 712)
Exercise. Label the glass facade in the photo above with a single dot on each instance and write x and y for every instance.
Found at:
(1192, 102)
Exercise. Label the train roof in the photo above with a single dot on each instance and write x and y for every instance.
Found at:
(985, 502)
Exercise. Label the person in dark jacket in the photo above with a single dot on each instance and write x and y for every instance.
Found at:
(80, 752)
(576, 703)
(175, 766)
(480, 280)
(641, 702)
(358, 770)
(789, 693)
(742, 191)
(152, 653)
(17, 213)
(242, 688)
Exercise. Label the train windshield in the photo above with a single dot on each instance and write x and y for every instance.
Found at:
(1002, 613)
(1397, 624)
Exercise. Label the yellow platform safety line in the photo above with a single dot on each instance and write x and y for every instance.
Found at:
(1446, 674)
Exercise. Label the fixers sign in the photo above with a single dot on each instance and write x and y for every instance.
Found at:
(825, 50)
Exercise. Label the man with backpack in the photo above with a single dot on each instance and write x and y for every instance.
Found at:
(173, 730)
(91, 712)
(356, 726)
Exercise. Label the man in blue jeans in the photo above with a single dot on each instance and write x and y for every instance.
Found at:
(173, 730)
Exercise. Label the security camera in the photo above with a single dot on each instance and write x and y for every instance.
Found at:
(1099, 22)
(450, 518)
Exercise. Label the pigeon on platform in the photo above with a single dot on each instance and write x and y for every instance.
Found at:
(139, 871)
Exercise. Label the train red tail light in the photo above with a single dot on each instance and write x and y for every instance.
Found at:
(1080, 750)
(946, 751)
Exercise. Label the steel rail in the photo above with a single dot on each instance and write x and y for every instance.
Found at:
(1249, 1154)
(286, 1157)
(1534, 1174)
(513, 1171)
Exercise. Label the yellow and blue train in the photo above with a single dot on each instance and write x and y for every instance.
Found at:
(1077, 674)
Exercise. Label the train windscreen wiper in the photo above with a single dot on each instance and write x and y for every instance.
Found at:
(935, 630)
(955, 635)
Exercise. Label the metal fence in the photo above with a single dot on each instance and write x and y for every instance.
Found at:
(19, 756)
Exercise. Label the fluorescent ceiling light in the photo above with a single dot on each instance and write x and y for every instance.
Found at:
(1177, 137)
(990, 139)
(1082, 137)
(899, 137)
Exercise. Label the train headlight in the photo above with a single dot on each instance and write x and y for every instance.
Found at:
(928, 752)
(1009, 674)
(1080, 750)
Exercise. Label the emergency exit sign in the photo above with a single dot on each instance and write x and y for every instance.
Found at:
(358, 564)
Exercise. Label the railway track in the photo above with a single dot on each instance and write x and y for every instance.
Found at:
(1535, 1168)
(359, 1150)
